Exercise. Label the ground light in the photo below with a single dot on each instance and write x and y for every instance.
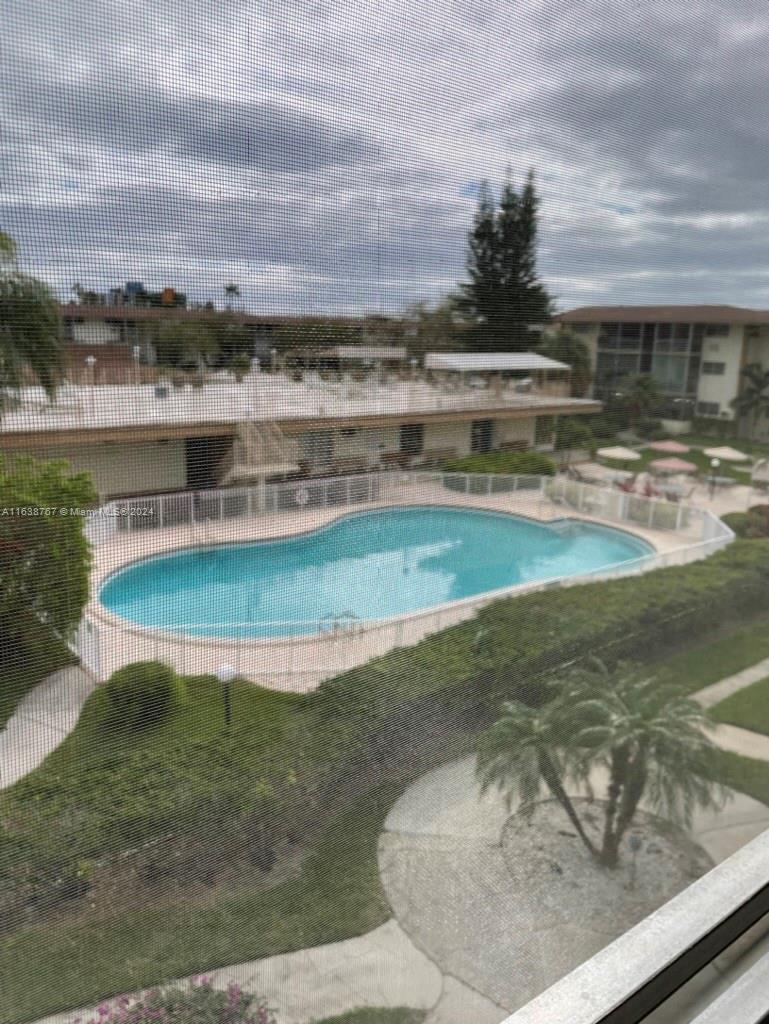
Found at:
(225, 674)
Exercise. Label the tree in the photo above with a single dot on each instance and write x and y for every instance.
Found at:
(637, 396)
(183, 344)
(566, 347)
(753, 399)
(479, 297)
(439, 328)
(504, 294)
(232, 291)
(649, 738)
(30, 336)
(44, 555)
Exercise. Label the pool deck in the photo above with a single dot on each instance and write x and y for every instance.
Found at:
(301, 663)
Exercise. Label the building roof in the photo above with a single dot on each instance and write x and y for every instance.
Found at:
(365, 352)
(485, 362)
(664, 314)
(126, 311)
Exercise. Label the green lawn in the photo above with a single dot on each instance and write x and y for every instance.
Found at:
(707, 663)
(701, 461)
(748, 708)
(399, 1015)
(336, 895)
(23, 666)
(746, 775)
(758, 448)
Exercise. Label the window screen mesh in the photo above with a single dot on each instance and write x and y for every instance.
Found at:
(383, 576)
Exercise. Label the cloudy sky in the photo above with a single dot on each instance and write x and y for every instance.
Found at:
(326, 157)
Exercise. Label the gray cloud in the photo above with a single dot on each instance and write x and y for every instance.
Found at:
(322, 159)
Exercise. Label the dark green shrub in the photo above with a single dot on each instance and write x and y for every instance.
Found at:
(752, 525)
(651, 430)
(573, 433)
(142, 694)
(513, 463)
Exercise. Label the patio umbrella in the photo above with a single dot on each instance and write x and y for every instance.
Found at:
(618, 454)
(672, 465)
(727, 454)
(671, 447)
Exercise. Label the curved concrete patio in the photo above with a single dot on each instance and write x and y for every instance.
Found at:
(443, 871)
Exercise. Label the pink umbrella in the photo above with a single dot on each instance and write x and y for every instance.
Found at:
(672, 447)
(672, 466)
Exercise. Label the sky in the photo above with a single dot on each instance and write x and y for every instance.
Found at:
(327, 157)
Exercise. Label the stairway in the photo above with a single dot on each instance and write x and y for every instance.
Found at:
(259, 450)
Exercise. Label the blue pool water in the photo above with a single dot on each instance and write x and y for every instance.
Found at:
(372, 564)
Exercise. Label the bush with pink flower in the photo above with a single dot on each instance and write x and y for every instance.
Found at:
(197, 1003)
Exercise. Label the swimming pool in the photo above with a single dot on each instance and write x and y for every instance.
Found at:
(370, 565)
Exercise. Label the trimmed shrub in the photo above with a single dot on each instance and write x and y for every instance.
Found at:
(573, 433)
(752, 525)
(513, 463)
(142, 694)
(651, 430)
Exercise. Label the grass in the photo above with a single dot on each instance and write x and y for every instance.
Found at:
(708, 663)
(701, 461)
(375, 1015)
(746, 775)
(336, 895)
(757, 448)
(23, 666)
(748, 708)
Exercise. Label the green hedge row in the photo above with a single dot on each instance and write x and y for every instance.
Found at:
(523, 463)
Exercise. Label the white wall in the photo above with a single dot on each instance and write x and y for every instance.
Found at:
(722, 388)
(448, 435)
(515, 430)
(126, 468)
(95, 332)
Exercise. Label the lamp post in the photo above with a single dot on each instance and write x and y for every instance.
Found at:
(225, 674)
(714, 464)
(90, 362)
(413, 363)
(274, 359)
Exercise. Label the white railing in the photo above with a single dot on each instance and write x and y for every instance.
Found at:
(302, 660)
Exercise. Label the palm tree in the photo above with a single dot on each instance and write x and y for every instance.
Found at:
(639, 395)
(232, 291)
(525, 749)
(650, 739)
(566, 347)
(753, 399)
(30, 338)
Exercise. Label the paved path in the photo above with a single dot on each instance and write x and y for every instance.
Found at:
(381, 968)
(726, 687)
(442, 868)
(42, 720)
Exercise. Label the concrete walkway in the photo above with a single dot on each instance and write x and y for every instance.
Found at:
(380, 969)
(443, 870)
(43, 719)
(719, 691)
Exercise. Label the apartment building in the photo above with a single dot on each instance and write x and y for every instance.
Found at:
(151, 438)
(695, 353)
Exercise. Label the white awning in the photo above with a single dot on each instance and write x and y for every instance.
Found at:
(366, 352)
(491, 362)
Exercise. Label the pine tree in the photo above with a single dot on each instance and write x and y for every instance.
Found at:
(479, 297)
(504, 294)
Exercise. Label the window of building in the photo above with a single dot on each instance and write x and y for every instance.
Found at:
(713, 369)
(717, 330)
(669, 372)
(412, 438)
(708, 408)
